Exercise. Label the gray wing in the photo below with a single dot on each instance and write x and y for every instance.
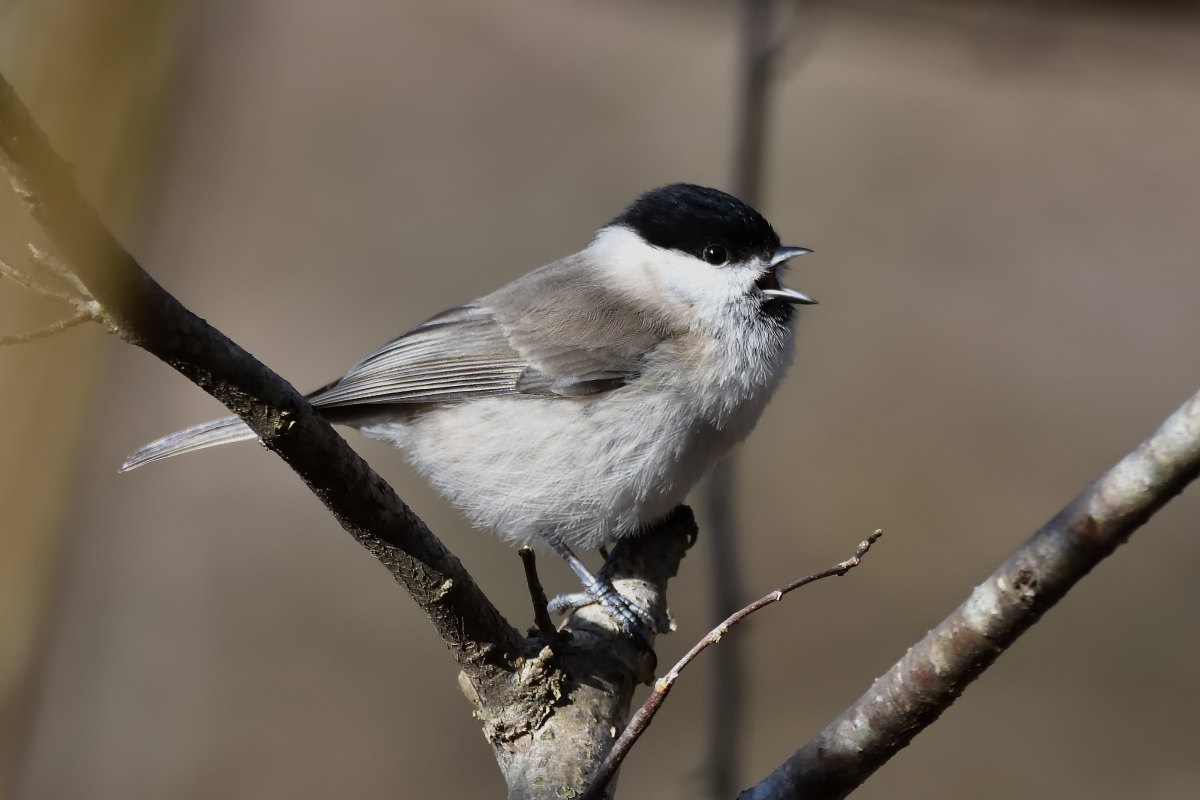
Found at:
(555, 331)
(458, 354)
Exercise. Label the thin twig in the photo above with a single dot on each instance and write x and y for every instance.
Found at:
(537, 594)
(79, 318)
(57, 268)
(662, 687)
(24, 279)
(86, 309)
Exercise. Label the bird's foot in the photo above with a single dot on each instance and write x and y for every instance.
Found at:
(625, 611)
(629, 615)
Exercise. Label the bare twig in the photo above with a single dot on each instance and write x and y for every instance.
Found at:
(55, 327)
(537, 594)
(86, 309)
(60, 270)
(31, 283)
(935, 671)
(662, 687)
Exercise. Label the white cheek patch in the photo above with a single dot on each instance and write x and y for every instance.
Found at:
(668, 278)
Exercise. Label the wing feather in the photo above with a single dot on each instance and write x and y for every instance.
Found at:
(556, 332)
(553, 332)
(460, 353)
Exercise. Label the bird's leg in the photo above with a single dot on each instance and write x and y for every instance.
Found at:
(631, 616)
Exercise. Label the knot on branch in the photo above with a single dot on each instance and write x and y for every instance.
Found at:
(537, 688)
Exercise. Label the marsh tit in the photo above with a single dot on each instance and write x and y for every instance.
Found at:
(581, 402)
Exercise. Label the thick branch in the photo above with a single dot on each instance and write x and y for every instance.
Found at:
(142, 313)
(935, 672)
(599, 670)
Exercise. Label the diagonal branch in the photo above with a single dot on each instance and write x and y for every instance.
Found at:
(142, 313)
(933, 673)
(549, 704)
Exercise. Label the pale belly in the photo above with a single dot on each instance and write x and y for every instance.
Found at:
(582, 471)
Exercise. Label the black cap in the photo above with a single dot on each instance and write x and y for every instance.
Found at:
(689, 218)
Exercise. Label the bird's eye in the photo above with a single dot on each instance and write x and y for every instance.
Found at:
(715, 254)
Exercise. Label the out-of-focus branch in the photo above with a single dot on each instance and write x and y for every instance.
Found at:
(728, 678)
(141, 312)
(86, 309)
(78, 318)
(662, 687)
(933, 673)
(763, 43)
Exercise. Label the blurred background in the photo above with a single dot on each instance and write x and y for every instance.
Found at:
(1003, 199)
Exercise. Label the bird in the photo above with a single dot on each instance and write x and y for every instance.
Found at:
(580, 403)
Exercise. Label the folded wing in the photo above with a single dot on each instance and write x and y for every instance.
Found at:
(554, 332)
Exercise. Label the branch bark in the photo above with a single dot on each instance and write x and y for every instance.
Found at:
(143, 313)
(599, 672)
(551, 707)
(550, 704)
(934, 672)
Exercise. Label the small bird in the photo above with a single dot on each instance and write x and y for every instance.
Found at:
(581, 402)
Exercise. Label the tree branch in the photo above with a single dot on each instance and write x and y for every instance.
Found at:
(537, 595)
(600, 668)
(662, 687)
(35, 286)
(78, 318)
(550, 705)
(86, 309)
(933, 673)
(141, 312)
(728, 671)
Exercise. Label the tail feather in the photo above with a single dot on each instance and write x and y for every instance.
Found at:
(210, 434)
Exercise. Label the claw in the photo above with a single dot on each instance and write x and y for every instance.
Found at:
(566, 603)
(623, 609)
(629, 616)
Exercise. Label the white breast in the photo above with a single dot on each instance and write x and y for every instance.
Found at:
(585, 470)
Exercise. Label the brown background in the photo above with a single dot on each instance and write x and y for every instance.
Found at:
(1004, 203)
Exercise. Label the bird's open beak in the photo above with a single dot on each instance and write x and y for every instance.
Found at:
(769, 283)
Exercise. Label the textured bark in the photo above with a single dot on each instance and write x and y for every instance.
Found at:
(595, 669)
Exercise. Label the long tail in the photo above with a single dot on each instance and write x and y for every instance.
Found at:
(210, 434)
